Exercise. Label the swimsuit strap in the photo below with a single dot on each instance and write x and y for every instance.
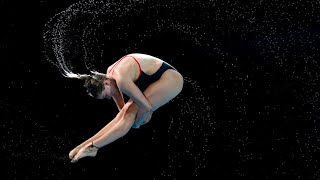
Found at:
(113, 67)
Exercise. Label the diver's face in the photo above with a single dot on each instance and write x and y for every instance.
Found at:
(106, 93)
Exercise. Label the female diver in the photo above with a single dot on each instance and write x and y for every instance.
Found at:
(148, 81)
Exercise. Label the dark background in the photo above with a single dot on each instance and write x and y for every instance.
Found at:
(256, 63)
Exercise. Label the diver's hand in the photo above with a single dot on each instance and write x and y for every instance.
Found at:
(143, 117)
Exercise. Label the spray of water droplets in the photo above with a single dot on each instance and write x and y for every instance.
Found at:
(190, 131)
(88, 33)
(71, 35)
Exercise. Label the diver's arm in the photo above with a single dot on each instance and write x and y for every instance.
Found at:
(144, 107)
(124, 80)
(118, 99)
(130, 89)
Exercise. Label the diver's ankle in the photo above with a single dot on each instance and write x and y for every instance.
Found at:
(93, 146)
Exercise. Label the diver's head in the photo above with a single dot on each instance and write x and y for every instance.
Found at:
(99, 86)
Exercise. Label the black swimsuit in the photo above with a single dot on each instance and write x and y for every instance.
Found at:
(144, 80)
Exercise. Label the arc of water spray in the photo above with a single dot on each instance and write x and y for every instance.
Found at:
(65, 70)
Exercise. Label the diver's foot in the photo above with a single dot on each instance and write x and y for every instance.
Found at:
(74, 151)
(86, 151)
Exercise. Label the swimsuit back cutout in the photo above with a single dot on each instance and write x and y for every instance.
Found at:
(114, 66)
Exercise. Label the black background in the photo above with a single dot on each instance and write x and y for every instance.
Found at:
(257, 65)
